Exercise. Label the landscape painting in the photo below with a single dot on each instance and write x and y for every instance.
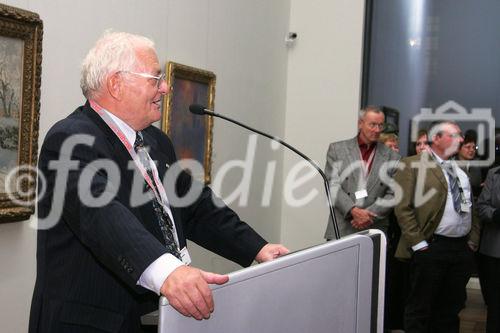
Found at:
(11, 68)
(21, 33)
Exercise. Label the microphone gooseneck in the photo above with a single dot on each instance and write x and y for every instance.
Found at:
(201, 110)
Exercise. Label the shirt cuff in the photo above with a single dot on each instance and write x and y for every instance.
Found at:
(419, 246)
(157, 272)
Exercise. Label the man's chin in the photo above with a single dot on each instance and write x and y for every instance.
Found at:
(450, 152)
(154, 116)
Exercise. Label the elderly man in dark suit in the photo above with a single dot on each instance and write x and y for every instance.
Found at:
(110, 239)
(354, 168)
(438, 232)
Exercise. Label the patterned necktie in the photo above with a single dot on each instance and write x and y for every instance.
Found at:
(454, 185)
(164, 221)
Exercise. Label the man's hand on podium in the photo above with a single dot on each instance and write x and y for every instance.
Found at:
(270, 252)
(186, 289)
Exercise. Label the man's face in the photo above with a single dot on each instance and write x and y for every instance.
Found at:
(467, 151)
(143, 95)
(448, 141)
(371, 126)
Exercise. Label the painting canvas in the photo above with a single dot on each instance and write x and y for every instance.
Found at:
(21, 34)
(190, 134)
(11, 66)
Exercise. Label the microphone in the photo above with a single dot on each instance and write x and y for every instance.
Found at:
(198, 109)
(201, 110)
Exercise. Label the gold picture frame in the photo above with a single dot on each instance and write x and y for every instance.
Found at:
(21, 34)
(191, 134)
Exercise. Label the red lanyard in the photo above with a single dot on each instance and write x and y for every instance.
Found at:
(161, 196)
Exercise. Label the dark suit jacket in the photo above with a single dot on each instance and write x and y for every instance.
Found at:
(89, 262)
(488, 202)
(418, 221)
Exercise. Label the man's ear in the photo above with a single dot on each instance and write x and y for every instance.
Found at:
(114, 85)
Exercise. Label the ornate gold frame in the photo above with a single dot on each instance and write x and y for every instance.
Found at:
(28, 27)
(177, 71)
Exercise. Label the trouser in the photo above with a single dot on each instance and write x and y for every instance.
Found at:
(397, 291)
(438, 277)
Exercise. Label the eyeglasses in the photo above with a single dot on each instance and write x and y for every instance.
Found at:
(379, 126)
(159, 79)
(455, 135)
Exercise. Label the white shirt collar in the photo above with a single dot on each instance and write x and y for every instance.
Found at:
(126, 129)
(436, 156)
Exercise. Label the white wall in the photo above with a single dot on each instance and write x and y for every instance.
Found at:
(241, 41)
(324, 80)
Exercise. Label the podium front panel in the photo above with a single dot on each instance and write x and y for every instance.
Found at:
(325, 288)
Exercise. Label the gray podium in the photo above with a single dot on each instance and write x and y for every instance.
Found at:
(333, 287)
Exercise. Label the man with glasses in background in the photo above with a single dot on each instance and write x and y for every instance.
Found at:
(102, 263)
(354, 168)
(439, 232)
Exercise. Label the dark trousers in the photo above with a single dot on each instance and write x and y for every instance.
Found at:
(492, 293)
(438, 277)
(481, 262)
(397, 285)
(397, 280)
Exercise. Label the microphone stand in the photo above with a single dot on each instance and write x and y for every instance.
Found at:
(203, 110)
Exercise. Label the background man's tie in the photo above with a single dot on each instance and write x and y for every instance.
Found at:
(454, 185)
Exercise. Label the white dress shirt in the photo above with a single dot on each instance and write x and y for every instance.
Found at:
(455, 224)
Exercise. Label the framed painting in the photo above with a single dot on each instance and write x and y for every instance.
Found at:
(20, 68)
(191, 134)
(391, 120)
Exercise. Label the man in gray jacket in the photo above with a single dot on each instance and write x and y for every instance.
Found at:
(358, 173)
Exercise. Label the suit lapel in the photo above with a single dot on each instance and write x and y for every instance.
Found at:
(353, 155)
(121, 152)
(379, 158)
(436, 170)
(162, 160)
(353, 150)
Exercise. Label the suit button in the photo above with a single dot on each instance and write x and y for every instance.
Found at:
(130, 270)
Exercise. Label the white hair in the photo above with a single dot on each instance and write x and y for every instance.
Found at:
(438, 127)
(369, 108)
(113, 52)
